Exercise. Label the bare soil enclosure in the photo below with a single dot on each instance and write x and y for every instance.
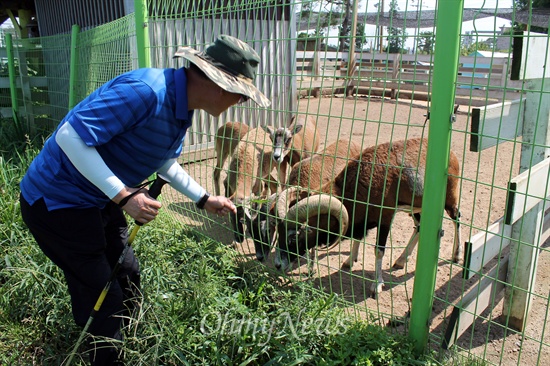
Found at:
(484, 179)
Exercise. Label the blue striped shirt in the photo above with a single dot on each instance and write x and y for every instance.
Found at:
(136, 121)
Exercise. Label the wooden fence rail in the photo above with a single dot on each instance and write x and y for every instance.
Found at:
(481, 80)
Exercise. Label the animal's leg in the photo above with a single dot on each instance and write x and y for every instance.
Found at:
(271, 185)
(458, 249)
(377, 286)
(282, 173)
(353, 255)
(236, 221)
(220, 160)
(379, 250)
(413, 241)
(237, 226)
(311, 259)
(216, 177)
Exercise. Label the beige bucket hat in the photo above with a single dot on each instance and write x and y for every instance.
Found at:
(230, 63)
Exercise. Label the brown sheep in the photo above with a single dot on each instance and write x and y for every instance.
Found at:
(310, 173)
(304, 143)
(226, 140)
(385, 179)
(250, 168)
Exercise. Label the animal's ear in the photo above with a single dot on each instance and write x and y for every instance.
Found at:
(297, 129)
(269, 131)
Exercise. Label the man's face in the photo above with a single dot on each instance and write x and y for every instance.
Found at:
(221, 104)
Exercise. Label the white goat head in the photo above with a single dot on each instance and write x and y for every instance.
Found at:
(282, 140)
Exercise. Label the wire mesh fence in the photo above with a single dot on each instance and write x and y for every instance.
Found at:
(493, 303)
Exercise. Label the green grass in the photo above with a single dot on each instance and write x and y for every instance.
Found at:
(203, 303)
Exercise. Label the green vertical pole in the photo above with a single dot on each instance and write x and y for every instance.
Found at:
(447, 48)
(73, 67)
(11, 72)
(142, 34)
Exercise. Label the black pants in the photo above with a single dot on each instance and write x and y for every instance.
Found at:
(86, 244)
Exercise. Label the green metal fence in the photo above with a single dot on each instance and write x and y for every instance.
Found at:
(494, 304)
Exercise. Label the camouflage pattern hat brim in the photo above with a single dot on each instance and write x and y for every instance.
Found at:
(231, 83)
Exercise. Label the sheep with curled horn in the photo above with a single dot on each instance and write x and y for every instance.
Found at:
(310, 173)
(290, 145)
(250, 170)
(367, 194)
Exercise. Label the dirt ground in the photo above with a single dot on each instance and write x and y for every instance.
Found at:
(485, 175)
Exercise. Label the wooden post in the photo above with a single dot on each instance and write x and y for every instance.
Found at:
(351, 54)
(526, 232)
(316, 65)
(381, 27)
(395, 73)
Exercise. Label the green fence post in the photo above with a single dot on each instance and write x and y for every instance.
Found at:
(447, 48)
(13, 83)
(142, 35)
(73, 67)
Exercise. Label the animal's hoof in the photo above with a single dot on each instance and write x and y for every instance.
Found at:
(347, 265)
(375, 289)
(398, 265)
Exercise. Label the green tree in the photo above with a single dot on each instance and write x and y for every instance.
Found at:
(360, 37)
(335, 13)
(425, 42)
(396, 36)
(479, 46)
(312, 41)
(535, 4)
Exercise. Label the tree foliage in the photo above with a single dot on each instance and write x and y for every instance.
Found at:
(312, 41)
(425, 42)
(334, 13)
(396, 36)
(345, 37)
(478, 46)
(535, 4)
